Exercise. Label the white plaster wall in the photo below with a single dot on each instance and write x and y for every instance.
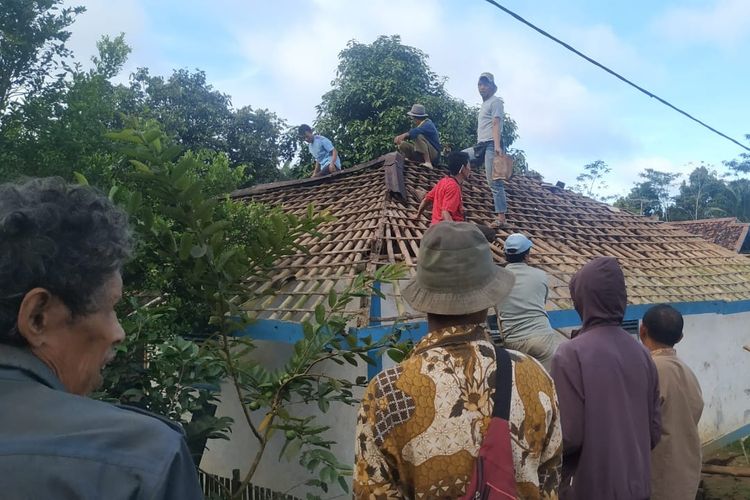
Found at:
(281, 475)
(713, 349)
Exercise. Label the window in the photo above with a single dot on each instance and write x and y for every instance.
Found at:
(631, 326)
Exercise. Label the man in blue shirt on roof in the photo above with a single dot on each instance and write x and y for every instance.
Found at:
(425, 147)
(326, 157)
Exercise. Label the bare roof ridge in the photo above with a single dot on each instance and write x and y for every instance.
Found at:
(311, 181)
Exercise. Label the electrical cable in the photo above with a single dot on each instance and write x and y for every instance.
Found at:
(613, 73)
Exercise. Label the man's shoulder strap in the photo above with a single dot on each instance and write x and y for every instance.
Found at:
(503, 384)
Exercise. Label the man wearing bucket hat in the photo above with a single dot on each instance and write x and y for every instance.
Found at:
(421, 144)
(524, 323)
(422, 422)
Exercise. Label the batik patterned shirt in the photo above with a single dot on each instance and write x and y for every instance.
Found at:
(421, 423)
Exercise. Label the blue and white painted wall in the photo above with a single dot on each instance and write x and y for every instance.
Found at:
(715, 336)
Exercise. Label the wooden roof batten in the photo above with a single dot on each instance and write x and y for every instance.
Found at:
(661, 262)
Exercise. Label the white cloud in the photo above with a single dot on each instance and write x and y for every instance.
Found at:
(723, 22)
(600, 42)
(104, 17)
(623, 176)
(286, 57)
(625, 172)
(289, 69)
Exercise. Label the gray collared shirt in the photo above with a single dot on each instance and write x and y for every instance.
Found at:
(523, 313)
(490, 109)
(54, 444)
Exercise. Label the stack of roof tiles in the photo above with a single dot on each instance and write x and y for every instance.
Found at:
(727, 232)
(662, 263)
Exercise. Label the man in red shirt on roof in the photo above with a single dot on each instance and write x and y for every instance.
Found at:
(446, 195)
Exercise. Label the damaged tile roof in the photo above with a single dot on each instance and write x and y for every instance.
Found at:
(727, 232)
(661, 262)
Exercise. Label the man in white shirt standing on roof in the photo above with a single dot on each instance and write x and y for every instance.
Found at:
(489, 141)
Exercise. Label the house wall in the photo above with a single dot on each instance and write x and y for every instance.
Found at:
(712, 347)
(280, 475)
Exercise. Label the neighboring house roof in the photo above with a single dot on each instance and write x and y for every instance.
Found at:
(727, 232)
(661, 262)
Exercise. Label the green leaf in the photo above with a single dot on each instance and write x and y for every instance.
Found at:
(198, 251)
(183, 183)
(344, 484)
(141, 167)
(186, 245)
(151, 135)
(124, 136)
(80, 179)
(396, 355)
(113, 191)
(215, 226)
(225, 256)
(320, 314)
(293, 449)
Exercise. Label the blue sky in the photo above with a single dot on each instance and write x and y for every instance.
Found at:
(282, 55)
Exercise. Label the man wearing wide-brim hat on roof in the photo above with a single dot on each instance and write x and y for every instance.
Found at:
(421, 422)
(421, 144)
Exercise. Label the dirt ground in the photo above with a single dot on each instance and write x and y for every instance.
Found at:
(717, 487)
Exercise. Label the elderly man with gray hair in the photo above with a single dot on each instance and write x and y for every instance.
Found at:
(61, 250)
(422, 422)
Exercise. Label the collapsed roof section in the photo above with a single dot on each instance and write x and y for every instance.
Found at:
(375, 225)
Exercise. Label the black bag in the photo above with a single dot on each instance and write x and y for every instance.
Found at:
(479, 151)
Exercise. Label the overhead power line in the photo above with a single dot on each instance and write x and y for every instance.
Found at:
(613, 73)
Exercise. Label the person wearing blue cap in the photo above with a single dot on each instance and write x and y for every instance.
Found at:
(524, 324)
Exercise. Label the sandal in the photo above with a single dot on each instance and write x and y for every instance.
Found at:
(499, 225)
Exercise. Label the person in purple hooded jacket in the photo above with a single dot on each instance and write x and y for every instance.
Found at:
(608, 390)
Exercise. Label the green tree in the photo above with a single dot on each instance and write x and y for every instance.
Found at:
(739, 199)
(187, 106)
(33, 54)
(61, 129)
(652, 196)
(702, 195)
(740, 165)
(201, 117)
(591, 181)
(375, 85)
(257, 139)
